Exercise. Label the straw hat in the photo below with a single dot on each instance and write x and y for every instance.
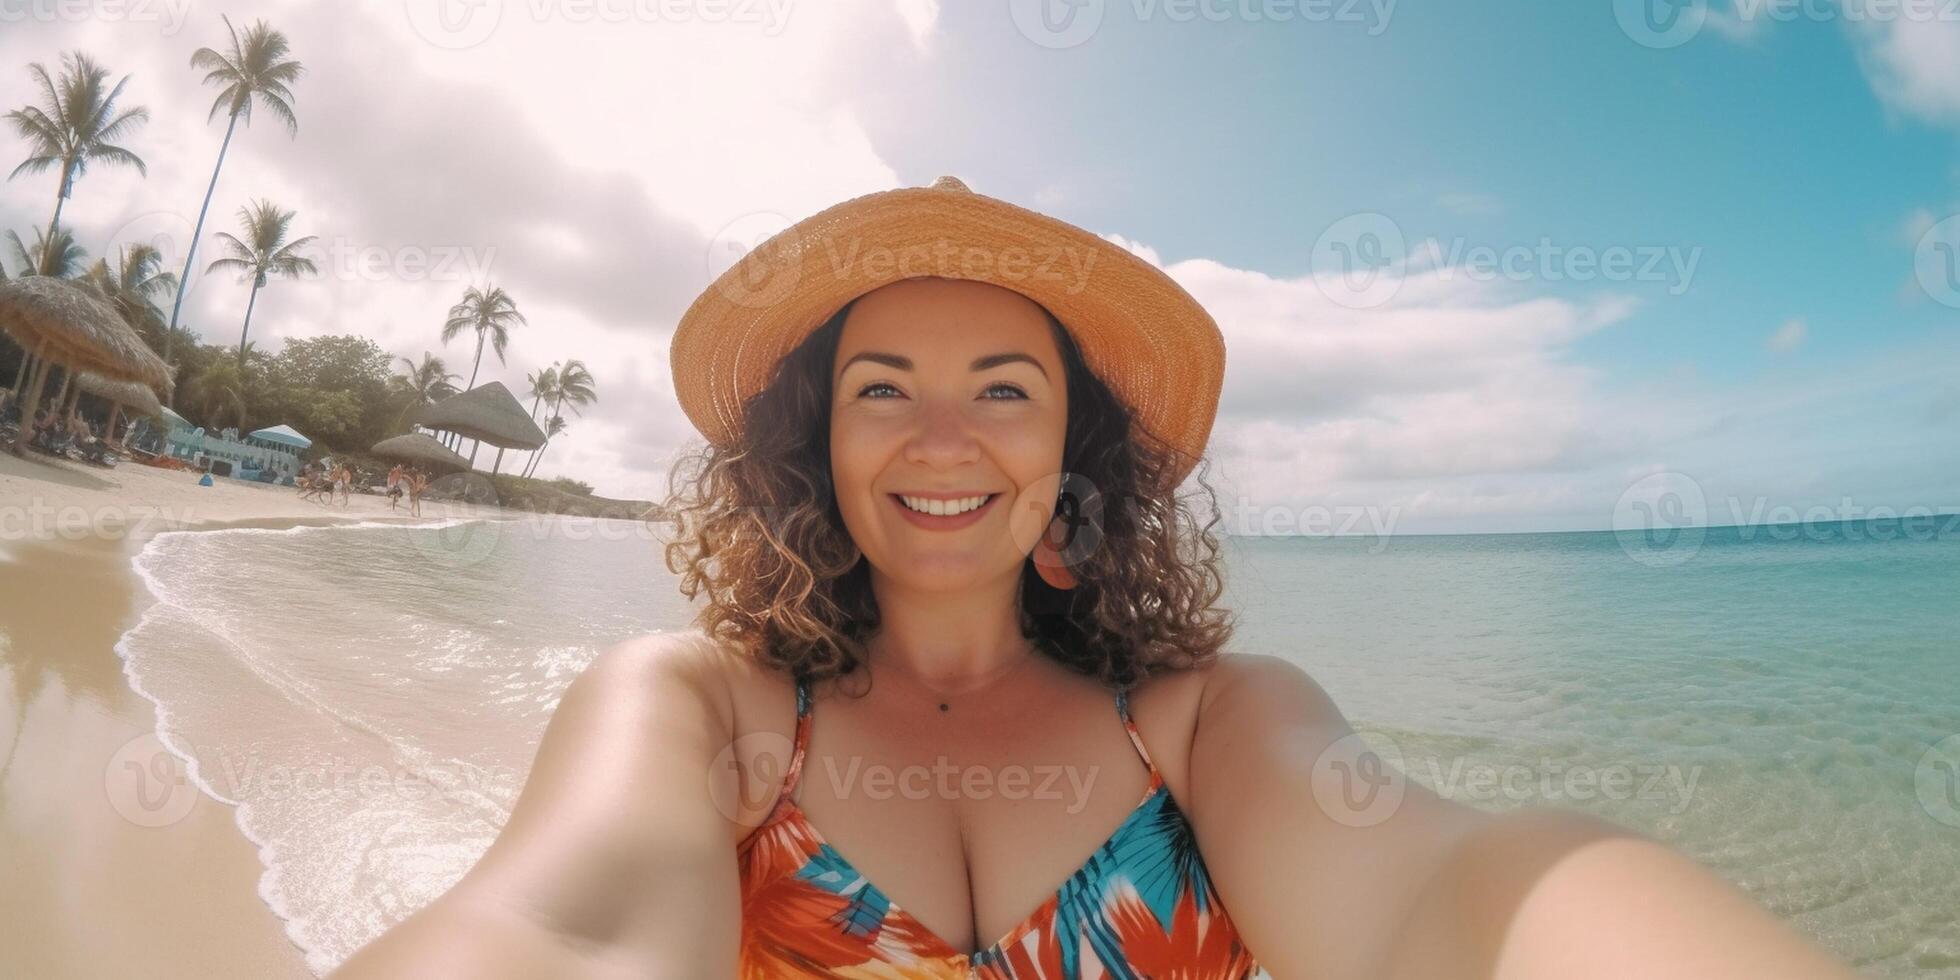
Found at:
(1139, 332)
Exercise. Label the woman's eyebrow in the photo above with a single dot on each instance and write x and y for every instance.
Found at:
(902, 363)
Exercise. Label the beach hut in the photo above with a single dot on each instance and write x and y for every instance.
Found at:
(70, 324)
(136, 399)
(485, 413)
(283, 436)
(416, 447)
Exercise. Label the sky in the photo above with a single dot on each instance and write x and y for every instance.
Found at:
(1478, 267)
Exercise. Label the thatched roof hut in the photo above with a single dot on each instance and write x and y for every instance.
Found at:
(138, 399)
(418, 448)
(72, 325)
(486, 413)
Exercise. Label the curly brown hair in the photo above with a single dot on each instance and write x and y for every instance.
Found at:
(756, 526)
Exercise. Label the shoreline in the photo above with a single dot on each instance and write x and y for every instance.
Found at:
(117, 864)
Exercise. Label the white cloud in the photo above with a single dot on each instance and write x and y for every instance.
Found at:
(921, 17)
(1788, 337)
(1913, 62)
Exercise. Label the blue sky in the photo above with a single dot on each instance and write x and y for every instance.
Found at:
(1780, 169)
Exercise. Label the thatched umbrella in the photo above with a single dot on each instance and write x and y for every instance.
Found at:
(485, 413)
(70, 324)
(418, 448)
(136, 398)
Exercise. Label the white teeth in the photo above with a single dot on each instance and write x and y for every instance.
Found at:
(942, 508)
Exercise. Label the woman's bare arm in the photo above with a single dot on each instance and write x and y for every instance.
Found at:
(1335, 867)
(614, 862)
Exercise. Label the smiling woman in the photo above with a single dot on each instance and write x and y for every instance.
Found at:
(943, 533)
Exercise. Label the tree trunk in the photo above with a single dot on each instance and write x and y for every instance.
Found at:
(479, 359)
(248, 329)
(190, 252)
(499, 463)
(27, 407)
(60, 198)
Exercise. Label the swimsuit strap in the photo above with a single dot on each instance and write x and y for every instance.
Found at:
(1123, 711)
(802, 737)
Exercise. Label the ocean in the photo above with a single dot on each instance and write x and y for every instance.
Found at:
(1780, 703)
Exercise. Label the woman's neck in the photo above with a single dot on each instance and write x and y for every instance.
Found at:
(950, 640)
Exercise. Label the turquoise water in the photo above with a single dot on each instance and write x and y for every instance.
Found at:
(1767, 701)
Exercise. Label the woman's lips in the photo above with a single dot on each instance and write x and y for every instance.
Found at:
(943, 522)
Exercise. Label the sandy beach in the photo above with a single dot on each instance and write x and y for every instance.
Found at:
(115, 866)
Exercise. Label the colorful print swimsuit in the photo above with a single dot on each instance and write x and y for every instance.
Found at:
(1141, 906)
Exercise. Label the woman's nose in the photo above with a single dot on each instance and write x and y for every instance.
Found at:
(942, 438)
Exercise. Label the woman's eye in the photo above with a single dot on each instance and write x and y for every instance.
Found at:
(1011, 390)
(874, 386)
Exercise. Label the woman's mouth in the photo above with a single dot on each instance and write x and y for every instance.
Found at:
(942, 513)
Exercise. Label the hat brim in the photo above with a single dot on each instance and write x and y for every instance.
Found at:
(1138, 330)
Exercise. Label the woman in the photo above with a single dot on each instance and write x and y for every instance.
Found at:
(1000, 741)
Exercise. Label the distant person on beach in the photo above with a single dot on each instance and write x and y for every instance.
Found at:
(958, 701)
(394, 486)
(417, 483)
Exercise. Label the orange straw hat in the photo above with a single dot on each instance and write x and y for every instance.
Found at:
(1139, 332)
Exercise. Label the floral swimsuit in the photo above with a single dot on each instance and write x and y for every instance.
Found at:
(1141, 906)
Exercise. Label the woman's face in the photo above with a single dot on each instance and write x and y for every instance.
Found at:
(946, 390)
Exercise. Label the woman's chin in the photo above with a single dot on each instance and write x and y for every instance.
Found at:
(944, 573)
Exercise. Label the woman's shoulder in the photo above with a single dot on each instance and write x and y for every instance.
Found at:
(745, 696)
(1173, 709)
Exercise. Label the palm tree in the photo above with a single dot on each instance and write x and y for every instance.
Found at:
(76, 125)
(573, 387)
(134, 285)
(264, 253)
(257, 69)
(491, 313)
(427, 382)
(58, 257)
(551, 428)
(219, 393)
(542, 382)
